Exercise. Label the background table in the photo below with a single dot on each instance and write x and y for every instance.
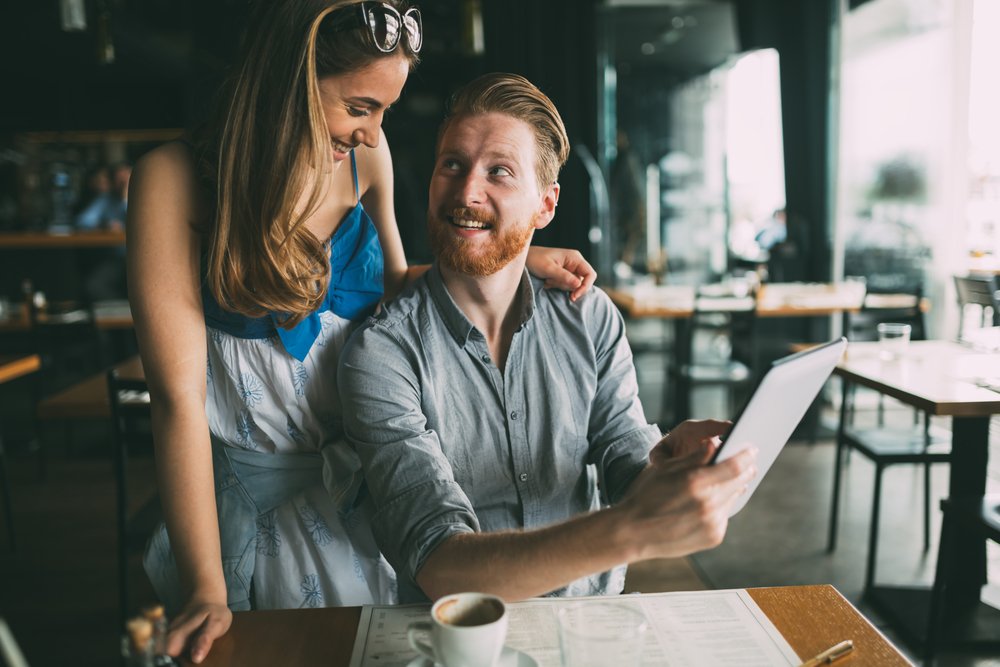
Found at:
(13, 366)
(773, 300)
(676, 303)
(811, 618)
(37, 240)
(107, 315)
(941, 377)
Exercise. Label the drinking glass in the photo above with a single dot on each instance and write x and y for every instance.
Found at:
(893, 339)
(598, 634)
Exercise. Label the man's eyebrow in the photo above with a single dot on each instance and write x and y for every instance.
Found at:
(503, 154)
(453, 152)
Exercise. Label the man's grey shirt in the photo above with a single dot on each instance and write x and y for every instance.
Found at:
(449, 444)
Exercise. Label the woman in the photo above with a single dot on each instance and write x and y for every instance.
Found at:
(262, 240)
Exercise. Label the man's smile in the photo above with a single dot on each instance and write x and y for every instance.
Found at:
(470, 219)
(465, 223)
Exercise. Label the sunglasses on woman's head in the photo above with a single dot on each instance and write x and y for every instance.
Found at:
(385, 24)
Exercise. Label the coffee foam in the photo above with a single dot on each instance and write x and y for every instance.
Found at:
(468, 613)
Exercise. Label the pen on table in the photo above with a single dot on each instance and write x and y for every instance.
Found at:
(830, 654)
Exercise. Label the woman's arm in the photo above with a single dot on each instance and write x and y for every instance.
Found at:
(164, 278)
(375, 173)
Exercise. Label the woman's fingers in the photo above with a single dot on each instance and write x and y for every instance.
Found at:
(197, 630)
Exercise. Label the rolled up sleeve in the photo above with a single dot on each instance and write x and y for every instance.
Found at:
(619, 436)
(417, 502)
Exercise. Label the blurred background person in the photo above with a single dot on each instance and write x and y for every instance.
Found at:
(105, 200)
(102, 208)
(772, 231)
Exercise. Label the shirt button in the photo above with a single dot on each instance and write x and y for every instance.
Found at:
(515, 415)
(523, 477)
(486, 358)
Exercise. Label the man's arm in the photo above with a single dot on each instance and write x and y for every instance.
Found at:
(417, 502)
(675, 507)
(668, 504)
(619, 437)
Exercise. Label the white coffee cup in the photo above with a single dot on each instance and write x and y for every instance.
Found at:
(466, 630)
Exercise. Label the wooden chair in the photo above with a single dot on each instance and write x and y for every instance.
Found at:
(981, 292)
(884, 446)
(729, 322)
(129, 402)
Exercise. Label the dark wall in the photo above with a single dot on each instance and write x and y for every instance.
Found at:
(167, 55)
(553, 44)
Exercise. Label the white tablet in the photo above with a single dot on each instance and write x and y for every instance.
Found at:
(777, 406)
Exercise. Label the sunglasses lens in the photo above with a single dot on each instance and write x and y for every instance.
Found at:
(414, 33)
(391, 27)
(384, 28)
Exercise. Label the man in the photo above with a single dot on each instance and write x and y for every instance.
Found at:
(478, 400)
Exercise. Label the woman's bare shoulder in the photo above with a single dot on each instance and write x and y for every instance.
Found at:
(171, 159)
(164, 183)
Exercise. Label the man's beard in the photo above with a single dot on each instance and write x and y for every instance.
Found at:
(456, 252)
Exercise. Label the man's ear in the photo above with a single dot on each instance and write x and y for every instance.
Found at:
(547, 210)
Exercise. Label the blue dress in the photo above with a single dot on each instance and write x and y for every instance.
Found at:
(273, 412)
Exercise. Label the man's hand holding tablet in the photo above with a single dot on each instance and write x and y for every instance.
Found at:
(679, 503)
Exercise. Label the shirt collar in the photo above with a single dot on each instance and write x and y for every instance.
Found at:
(458, 324)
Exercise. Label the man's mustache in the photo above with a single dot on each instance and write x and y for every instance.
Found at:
(466, 213)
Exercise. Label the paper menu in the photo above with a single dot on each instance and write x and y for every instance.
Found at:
(687, 629)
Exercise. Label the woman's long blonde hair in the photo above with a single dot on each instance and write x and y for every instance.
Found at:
(261, 154)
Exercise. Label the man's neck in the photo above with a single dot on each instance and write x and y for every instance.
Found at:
(491, 303)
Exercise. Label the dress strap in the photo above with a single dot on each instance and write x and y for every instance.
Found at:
(354, 171)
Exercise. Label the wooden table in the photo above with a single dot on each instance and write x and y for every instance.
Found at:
(15, 366)
(773, 300)
(941, 377)
(811, 618)
(109, 316)
(42, 240)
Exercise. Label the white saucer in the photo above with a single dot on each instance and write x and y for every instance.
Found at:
(510, 657)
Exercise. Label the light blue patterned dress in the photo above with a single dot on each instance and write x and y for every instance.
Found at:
(273, 408)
